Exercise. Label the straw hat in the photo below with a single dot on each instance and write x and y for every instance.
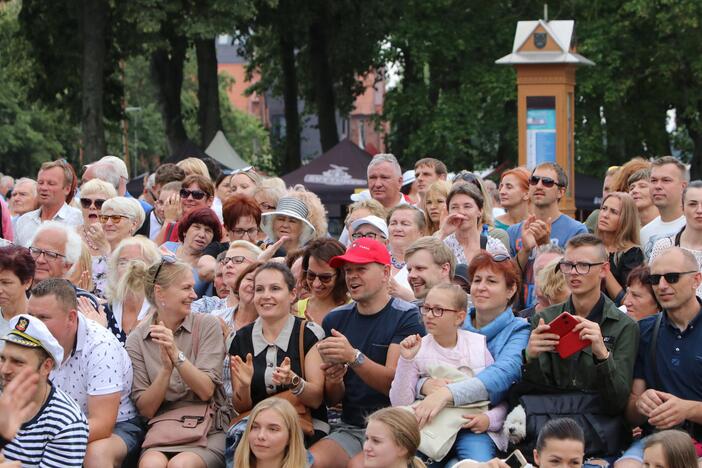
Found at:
(292, 208)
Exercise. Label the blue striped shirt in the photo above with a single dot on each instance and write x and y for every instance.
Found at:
(57, 436)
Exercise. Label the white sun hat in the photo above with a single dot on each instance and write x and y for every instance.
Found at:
(292, 208)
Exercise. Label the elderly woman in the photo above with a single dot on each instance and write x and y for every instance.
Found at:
(358, 210)
(299, 217)
(120, 218)
(196, 192)
(406, 224)
(93, 194)
(126, 302)
(287, 358)
(177, 360)
(268, 192)
(327, 285)
(195, 232)
(640, 301)
(244, 182)
(435, 204)
(462, 228)
(16, 275)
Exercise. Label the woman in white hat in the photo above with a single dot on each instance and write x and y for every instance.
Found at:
(299, 216)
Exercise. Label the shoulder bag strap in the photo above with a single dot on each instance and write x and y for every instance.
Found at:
(676, 239)
(301, 348)
(654, 343)
(169, 231)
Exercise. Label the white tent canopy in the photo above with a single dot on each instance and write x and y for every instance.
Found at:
(222, 151)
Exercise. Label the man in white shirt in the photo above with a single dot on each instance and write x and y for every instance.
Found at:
(53, 186)
(385, 180)
(96, 372)
(669, 178)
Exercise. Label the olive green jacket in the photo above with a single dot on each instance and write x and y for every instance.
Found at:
(611, 378)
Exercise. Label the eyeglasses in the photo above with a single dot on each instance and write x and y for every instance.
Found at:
(546, 181)
(581, 268)
(116, 219)
(250, 233)
(87, 203)
(368, 235)
(435, 311)
(48, 254)
(170, 259)
(671, 278)
(324, 278)
(238, 260)
(196, 194)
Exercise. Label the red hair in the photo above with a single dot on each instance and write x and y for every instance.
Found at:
(521, 174)
(204, 216)
(239, 206)
(506, 268)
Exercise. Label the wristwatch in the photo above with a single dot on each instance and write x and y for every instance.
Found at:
(357, 360)
(180, 360)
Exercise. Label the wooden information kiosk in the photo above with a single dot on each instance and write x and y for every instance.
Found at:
(545, 59)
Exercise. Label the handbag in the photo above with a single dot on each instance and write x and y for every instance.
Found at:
(439, 435)
(304, 414)
(186, 425)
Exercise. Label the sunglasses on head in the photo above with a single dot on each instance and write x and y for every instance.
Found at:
(466, 176)
(87, 203)
(546, 181)
(170, 259)
(670, 278)
(196, 194)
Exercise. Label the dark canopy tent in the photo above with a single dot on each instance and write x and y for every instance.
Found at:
(334, 176)
(588, 192)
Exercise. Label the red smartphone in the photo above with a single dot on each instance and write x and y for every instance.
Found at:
(570, 342)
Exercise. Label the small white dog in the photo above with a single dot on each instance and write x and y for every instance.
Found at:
(514, 427)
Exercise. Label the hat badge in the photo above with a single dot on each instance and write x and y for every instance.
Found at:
(22, 324)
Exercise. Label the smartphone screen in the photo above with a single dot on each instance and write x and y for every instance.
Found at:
(516, 460)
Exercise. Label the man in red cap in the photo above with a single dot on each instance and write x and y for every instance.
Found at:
(362, 348)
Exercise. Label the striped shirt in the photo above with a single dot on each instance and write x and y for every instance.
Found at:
(57, 436)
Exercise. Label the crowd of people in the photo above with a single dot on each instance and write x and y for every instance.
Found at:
(215, 321)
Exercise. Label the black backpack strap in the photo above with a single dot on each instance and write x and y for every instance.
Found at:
(654, 342)
(676, 240)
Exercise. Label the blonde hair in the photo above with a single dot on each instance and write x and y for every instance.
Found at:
(295, 453)
(273, 186)
(374, 206)
(628, 231)
(404, 430)
(127, 207)
(84, 264)
(439, 188)
(141, 276)
(242, 244)
(95, 186)
(317, 212)
(551, 280)
(117, 289)
(194, 166)
(620, 178)
(678, 448)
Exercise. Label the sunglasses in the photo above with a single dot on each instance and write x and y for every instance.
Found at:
(243, 170)
(467, 176)
(170, 259)
(196, 194)
(499, 258)
(546, 181)
(87, 203)
(670, 278)
(324, 278)
(116, 219)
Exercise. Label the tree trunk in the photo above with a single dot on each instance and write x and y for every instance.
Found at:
(167, 74)
(208, 113)
(323, 82)
(292, 119)
(94, 23)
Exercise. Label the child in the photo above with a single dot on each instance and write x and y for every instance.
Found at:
(447, 345)
(669, 449)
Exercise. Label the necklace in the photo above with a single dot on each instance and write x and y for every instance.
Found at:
(396, 263)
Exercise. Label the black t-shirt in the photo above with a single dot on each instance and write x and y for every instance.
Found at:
(215, 248)
(372, 335)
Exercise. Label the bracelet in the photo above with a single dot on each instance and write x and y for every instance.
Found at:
(299, 388)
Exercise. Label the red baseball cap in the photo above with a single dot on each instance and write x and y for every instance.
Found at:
(363, 251)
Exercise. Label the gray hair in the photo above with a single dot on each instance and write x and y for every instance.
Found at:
(100, 186)
(385, 158)
(126, 207)
(73, 241)
(106, 173)
(117, 165)
(151, 181)
(32, 183)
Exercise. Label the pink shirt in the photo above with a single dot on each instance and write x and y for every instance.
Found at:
(6, 221)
